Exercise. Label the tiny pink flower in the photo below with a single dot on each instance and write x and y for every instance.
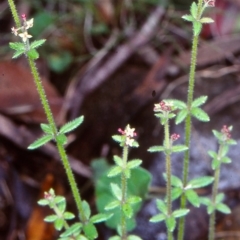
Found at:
(210, 3)
(23, 17)
(226, 131)
(175, 137)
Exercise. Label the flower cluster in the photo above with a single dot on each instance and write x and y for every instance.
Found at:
(163, 107)
(210, 3)
(226, 132)
(175, 137)
(23, 30)
(129, 133)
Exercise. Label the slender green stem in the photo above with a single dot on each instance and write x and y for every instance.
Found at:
(51, 121)
(168, 173)
(211, 234)
(124, 194)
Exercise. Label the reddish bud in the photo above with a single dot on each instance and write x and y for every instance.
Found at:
(175, 137)
(23, 16)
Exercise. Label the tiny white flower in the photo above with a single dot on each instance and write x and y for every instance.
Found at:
(29, 23)
(25, 36)
(129, 131)
(129, 141)
(14, 31)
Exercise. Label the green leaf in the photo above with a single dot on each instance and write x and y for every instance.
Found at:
(46, 128)
(133, 237)
(127, 173)
(37, 43)
(210, 208)
(115, 238)
(51, 218)
(161, 206)
(59, 199)
(205, 201)
(231, 142)
(117, 138)
(192, 197)
(176, 193)
(101, 217)
(68, 215)
(206, 20)
(180, 213)
(158, 218)
(86, 209)
(90, 230)
(115, 171)
(220, 198)
(43, 202)
(217, 134)
(197, 27)
(215, 164)
(134, 199)
(18, 46)
(199, 114)
(194, 10)
(179, 148)
(41, 141)
(75, 228)
(61, 138)
(178, 104)
(127, 210)
(17, 54)
(199, 101)
(135, 144)
(200, 182)
(212, 154)
(226, 160)
(171, 223)
(71, 125)
(117, 192)
(118, 160)
(58, 224)
(156, 149)
(181, 116)
(175, 181)
(221, 207)
(134, 163)
(112, 205)
(62, 206)
(188, 18)
(33, 54)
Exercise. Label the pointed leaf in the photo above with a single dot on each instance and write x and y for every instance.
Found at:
(133, 237)
(192, 197)
(199, 182)
(71, 125)
(86, 209)
(115, 171)
(158, 218)
(134, 199)
(176, 193)
(90, 230)
(181, 116)
(18, 54)
(220, 198)
(59, 199)
(75, 228)
(68, 215)
(112, 205)
(46, 128)
(118, 160)
(18, 46)
(33, 54)
(210, 208)
(161, 206)
(156, 149)
(199, 101)
(221, 207)
(41, 141)
(188, 18)
(206, 20)
(37, 43)
(58, 224)
(115, 238)
(117, 192)
(127, 210)
(62, 206)
(171, 223)
(178, 104)
(117, 138)
(215, 164)
(179, 148)
(51, 218)
(175, 181)
(205, 201)
(194, 10)
(43, 202)
(199, 114)
(197, 27)
(180, 213)
(101, 217)
(134, 163)
(212, 154)
(226, 160)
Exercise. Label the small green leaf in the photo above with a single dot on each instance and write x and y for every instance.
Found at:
(115, 238)
(18, 54)
(68, 215)
(127, 210)
(127, 173)
(176, 193)
(51, 218)
(171, 223)
(192, 197)
(217, 134)
(226, 160)
(215, 164)
(158, 218)
(117, 138)
(101, 217)
(205, 201)
(175, 181)
(18, 46)
(197, 27)
(71, 125)
(220, 198)
(178, 104)
(213, 154)
(90, 230)
(115, 171)
(206, 20)
(210, 208)
(161, 206)
(156, 149)
(59, 199)
(179, 148)
(117, 192)
(180, 213)
(41, 141)
(118, 160)
(43, 202)
(61, 138)
(194, 10)
(221, 207)
(199, 101)
(199, 114)
(231, 142)
(134, 163)
(58, 224)
(199, 182)
(112, 205)
(75, 228)
(62, 206)
(134, 199)
(133, 237)
(37, 43)
(135, 144)
(33, 54)
(86, 209)
(181, 116)
(46, 128)
(188, 18)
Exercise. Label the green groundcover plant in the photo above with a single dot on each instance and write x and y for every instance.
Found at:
(122, 188)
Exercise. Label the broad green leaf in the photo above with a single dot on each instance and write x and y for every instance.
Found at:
(112, 205)
(188, 18)
(71, 125)
(221, 207)
(197, 27)
(179, 148)
(180, 213)
(127, 210)
(192, 197)
(176, 193)
(181, 116)
(101, 217)
(161, 206)
(117, 192)
(133, 237)
(41, 141)
(90, 231)
(18, 46)
(200, 182)
(51, 218)
(18, 53)
(206, 20)
(58, 224)
(117, 138)
(199, 114)
(158, 218)
(68, 215)
(86, 209)
(199, 101)
(118, 160)
(156, 149)
(33, 54)
(46, 128)
(75, 228)
(37, 43)
(171, 223)
(134, 163)
(115, 171)
(61, 138)
(194, 10)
